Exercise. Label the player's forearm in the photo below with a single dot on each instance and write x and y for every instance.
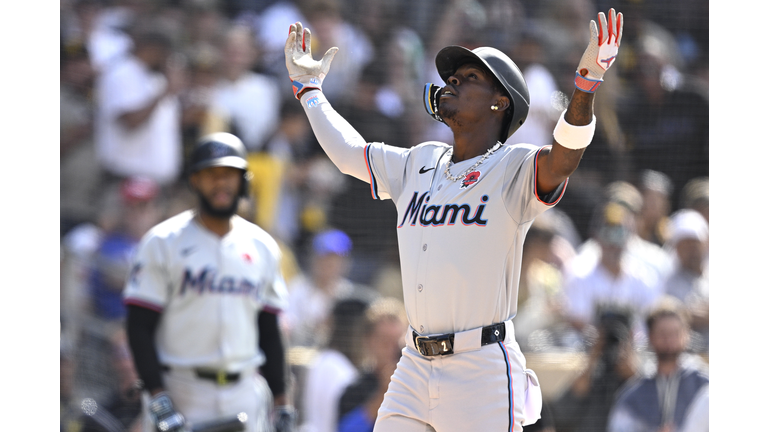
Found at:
(340, 141)
(274, 370)
(556, 165)
(140, 326)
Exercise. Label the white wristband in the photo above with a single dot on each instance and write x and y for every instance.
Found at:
(574, 137)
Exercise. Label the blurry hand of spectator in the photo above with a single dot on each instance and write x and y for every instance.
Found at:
(176, 74)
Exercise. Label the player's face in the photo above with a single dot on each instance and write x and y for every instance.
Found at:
(218, 189)
(668, 338)
(468, 93)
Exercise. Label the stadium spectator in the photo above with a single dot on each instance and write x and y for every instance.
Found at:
(136, 209)
(311, 296)
(96, 25)
(614, 281)
(330, 29)
(335, 366)
(638, 251)
(695, 196)
(656, 189)
(138, 122)
(79, 179)
(664, 117)
(369, 222)
(612, 361)
(383, 339)
(248, 101)
(538, 324)
(689, 282)
(660, 401)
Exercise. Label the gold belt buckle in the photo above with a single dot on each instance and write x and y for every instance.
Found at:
(221, 377)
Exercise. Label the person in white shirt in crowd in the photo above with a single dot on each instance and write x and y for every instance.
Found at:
(689, 282)
(311, 296)
(138, 118)
(248, 101)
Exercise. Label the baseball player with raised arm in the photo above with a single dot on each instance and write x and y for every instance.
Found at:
(202, 299)
(463, 212)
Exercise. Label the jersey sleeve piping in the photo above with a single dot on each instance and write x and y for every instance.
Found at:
(271, 309)
(372, 182)
(143, 303)
(551, 198)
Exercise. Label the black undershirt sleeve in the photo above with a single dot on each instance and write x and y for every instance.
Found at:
(141, 324)
(271, 343)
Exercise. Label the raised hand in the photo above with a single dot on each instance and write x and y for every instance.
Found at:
(601, 52)
(305, 72)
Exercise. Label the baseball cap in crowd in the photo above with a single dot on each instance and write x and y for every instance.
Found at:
(624, 193)
(138, 189)
(695, 192)
(332, 241)
(656, 181)
(687, 224)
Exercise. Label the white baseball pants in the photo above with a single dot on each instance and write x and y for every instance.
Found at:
(480, 388)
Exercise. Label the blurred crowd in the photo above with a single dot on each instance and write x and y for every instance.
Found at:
(142, 80)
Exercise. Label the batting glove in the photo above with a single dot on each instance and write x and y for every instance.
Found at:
(601, 52)
(285, 419)
(303, 70)
(164, 416)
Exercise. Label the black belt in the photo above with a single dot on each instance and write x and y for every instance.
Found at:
(217, 376)
(443, 344)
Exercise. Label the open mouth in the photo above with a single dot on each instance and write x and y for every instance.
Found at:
(447, 93)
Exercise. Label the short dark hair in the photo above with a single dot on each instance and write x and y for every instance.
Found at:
(667, 307)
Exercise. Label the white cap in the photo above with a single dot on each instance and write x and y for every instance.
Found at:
(687, 224)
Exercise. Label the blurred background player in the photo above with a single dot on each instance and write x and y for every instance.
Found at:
(203, 296)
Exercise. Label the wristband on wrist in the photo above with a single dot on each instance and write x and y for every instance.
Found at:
(574, 137)
(299, 86)
(586, 84)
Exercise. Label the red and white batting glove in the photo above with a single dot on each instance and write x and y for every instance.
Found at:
(305, 72)
(601, 52)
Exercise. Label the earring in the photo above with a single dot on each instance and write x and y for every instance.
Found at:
(494, 107)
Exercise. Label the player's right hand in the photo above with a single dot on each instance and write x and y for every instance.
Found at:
(304, 71)
(164, 415)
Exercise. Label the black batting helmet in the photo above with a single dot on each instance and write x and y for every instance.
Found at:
(221, 149)
(501, 66)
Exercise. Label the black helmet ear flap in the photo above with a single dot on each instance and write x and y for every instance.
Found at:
(431, 100)
(245, 186)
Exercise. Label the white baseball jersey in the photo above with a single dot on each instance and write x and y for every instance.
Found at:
(460, 242)
(460, 251)
(209, 289)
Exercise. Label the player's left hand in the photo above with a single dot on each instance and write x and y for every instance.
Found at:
(285, 418)
(304, 71)
(601, 52)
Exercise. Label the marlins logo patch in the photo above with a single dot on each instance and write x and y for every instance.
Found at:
(470, 179)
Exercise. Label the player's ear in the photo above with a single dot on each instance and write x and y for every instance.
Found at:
(502, 103)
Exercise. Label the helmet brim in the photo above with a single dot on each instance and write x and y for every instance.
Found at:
(451, 57)
(226, 161)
